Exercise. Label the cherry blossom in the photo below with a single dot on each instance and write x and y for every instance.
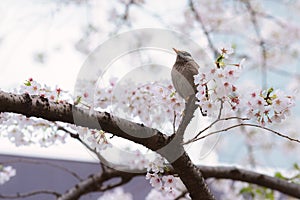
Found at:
(157, 165)
(117, 193)
(32, 87)
(225, 50)
(6, 173)
(21, 130)
(145, 103)
(268, 106)
(155, 180)
(218, 85)
(95, 139)
(139, 162)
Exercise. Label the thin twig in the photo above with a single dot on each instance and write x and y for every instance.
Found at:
(204, 29)
(238, 118)
(21, 160)
(244, 124)
(76, 136)
(218, 119)
(174, 121)
(253, 19)
(40, 192)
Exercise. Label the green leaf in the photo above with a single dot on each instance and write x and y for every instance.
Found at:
(78, 100)
(259, 191)
(270, 195)
(172, 94)
(27, 83)
(220, 58)
(296, 166)
(270, 90)
(247, 190)
(279, 175)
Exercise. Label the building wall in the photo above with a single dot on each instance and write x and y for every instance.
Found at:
(32, 177)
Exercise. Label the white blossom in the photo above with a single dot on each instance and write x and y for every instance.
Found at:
(117, 193)
(6, 173)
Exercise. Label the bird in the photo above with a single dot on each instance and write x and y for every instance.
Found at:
(182, 74)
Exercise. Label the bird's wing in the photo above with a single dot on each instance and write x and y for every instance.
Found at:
(183, 78)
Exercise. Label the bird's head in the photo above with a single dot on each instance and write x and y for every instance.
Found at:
(183, 56)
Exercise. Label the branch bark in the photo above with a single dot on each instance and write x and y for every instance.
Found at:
(36, 106)
(96, 183)
(190, 175)
(221, 172)
(169, 147)
(244, 175)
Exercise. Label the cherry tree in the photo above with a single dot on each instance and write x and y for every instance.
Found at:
(150, 116)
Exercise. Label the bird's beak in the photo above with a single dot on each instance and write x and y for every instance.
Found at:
(176, 50)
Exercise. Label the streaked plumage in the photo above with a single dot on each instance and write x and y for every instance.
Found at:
(183, 72)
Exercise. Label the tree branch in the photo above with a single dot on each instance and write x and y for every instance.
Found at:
(96, 183)
(205, 31)
(245, 124)
(233, 173)
(244, 175)
(169, 147)
(40, 192)
(181, 162)
(261, 41)
(36, 106)
(188, 115)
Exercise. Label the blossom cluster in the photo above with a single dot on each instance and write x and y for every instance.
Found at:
(217, 85)
(6, 172)
(139, 162)
(117, 193)
(21, 130)
(267, 106)
(217, 90)
(90, 96)
(166, 186)
(153, 104)
(95, 139)
(32, 87)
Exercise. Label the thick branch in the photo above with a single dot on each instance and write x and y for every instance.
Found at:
(235, 173)
(36, 106)
(232, 173)
(187, 171)
(192, 177)
(96, 183)
(170, 148)
(188, 115)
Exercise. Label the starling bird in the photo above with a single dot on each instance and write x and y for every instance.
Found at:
(183, 72)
